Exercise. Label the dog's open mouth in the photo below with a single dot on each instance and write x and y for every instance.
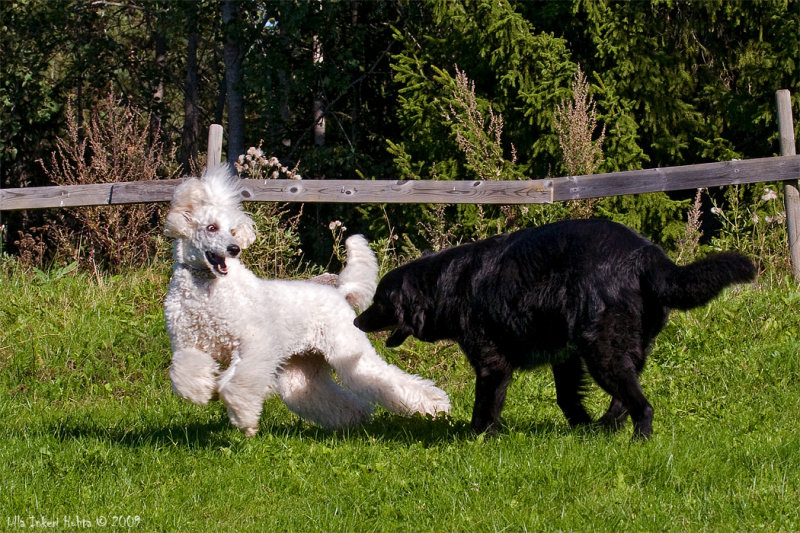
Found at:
(217, 263)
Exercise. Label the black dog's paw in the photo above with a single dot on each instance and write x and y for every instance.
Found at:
(487, 429)
(612, 423)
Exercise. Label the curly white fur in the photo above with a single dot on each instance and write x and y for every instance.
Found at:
(241, 338)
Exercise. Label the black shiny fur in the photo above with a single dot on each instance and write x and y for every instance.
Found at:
(581, 295)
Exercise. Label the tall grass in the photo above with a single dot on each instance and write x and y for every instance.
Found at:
(92, 431)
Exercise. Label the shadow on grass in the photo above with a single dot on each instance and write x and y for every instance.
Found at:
(200, 435)
(215, 431)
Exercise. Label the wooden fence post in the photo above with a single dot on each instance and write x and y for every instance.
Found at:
(791, 194)
(214, 152)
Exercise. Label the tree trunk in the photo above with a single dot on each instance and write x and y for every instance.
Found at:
(191, 107)
(233, 76)
(319, 112)
(157, 105)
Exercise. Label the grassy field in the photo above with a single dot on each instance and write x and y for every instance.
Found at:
(91, 432)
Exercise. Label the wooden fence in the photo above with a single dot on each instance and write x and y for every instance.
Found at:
(392, 191)
(785, 168)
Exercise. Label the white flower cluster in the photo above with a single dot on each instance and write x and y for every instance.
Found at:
(778, 217)
(769, 194)
(254, 164)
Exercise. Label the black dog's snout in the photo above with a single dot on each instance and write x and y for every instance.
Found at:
(234, 250)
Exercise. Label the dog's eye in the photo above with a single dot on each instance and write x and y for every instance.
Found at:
(233, 232)
(211, 228)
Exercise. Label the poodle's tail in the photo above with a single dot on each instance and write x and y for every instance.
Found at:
(358, 279)
(693, 285)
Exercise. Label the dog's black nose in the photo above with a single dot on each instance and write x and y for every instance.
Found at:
(234, 250)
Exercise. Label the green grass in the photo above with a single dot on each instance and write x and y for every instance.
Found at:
(92, 431)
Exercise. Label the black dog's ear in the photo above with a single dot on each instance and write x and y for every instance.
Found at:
(397, 337)
(411, 323)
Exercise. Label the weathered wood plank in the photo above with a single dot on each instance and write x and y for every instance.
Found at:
(677, 178)
(136, 192)
(388, 191)
(44, 197)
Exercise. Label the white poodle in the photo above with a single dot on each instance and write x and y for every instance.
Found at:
(242, 337)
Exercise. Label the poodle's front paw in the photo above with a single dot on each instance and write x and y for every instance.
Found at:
(250, 431)
(193, 374)
(197, 390)
(439, 403)
(431, 400)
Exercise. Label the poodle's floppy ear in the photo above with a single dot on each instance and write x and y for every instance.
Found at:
(188, 196)
(244, 232)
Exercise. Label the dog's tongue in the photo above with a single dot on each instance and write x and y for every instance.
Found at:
(217, 263)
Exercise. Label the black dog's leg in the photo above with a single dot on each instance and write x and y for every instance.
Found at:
(569, 382)
(614, 359)
(617, 375)
(615, 417)
(491, 385)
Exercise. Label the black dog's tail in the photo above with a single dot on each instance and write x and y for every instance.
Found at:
(693, 285)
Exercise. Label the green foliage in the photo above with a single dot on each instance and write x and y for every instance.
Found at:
(673, 82)
(520, 72)
(277, 251)
(689, 77)
(655, 215)
(92, 429)
(29, 101)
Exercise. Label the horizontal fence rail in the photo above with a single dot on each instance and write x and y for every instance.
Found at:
(539, 191)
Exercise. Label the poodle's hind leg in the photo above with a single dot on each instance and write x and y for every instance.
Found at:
(194, 375)
(243, 388)
(372, 378)
(307, 388)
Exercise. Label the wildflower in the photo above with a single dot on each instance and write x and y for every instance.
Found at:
(778, 218)
(334, 224)
(716, 210)
(769, 194)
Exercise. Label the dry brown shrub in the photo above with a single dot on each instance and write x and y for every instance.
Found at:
(116, 145)
(32, 246)
(689, 244)
(575, 122)
(479, 140)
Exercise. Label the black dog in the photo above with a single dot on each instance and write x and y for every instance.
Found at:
(578, 292)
